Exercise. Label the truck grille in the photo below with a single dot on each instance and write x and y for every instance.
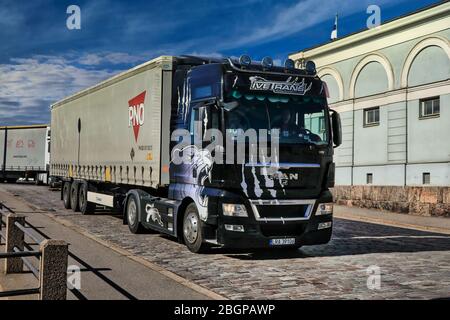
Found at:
(283, 230)
(282, 210)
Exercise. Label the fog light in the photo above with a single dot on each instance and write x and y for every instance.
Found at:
(310, 67)
(324, 225)
(289, 64)
(234, 210)
(245, 60)
(234, 227)
(324, 208)
(267, 62)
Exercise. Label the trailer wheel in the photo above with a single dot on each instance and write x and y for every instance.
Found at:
(133, 212)
(192, 231)
(74, 197)
(66, 194)
(85, 206)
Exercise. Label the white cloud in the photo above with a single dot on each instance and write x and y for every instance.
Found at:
(94, 59)
(29, 86)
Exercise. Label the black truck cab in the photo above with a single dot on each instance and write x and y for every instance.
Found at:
(257, 148)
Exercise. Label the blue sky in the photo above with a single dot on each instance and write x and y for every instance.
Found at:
(41, 61)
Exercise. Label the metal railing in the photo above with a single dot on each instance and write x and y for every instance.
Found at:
(52, 257)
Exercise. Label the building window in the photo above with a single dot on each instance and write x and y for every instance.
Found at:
(372, 117)
(429, 107)
(369, 178)
(426, 179)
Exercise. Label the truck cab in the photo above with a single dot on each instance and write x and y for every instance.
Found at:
(258, 156)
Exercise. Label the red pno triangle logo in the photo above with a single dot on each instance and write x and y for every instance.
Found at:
(136, 112)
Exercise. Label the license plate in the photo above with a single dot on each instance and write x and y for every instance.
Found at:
(282, 242)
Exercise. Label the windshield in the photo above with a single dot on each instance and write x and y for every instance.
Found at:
(299, 119)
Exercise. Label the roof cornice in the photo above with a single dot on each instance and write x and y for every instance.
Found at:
(437, 11)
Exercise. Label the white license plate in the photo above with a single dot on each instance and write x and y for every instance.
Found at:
(282, 242)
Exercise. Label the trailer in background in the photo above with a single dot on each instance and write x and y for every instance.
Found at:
(25, 153)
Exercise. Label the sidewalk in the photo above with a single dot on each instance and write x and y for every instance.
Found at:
(112, 275)
(24, 280)
(422, 223)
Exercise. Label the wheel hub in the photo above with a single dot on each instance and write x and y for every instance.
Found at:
(191, 227)
(132, 212)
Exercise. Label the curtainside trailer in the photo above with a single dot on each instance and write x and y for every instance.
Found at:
(215, 152)
(25, 153)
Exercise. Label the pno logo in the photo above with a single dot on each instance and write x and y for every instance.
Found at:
(136, 113)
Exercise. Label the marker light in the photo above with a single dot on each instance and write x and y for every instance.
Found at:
(267, 62)
(310, 67)
(245, 60)
(289, 64)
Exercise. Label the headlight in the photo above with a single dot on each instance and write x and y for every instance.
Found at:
(234, 210)
(324, 208)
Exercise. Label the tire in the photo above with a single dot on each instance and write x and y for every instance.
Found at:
(66, 194)
(74, 197)
(133, 212)
(86, 207)
(192, 230)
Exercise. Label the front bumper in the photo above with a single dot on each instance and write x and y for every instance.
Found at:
(258, 231)
(259, 235)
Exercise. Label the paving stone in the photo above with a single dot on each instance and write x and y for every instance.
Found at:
(413, 264)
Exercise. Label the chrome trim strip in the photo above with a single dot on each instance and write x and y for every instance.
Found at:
(284, 165)
(262, 202)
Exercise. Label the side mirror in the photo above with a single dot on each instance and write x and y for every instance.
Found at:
(337, 128)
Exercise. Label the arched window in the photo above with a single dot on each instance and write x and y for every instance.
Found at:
(427, 62)
(334, 83)
(430, 65)
(333, 88)
(372, 79)
(372, 75)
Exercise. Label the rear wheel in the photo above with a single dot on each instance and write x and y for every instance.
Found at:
(133, 213)
(192, 231)
(66, 194)
(74, 197)
(85, 206)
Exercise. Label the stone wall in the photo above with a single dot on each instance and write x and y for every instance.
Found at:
(425, 201)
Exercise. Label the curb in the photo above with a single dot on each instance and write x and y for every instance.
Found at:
(392, 223)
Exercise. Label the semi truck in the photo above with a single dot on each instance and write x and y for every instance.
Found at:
(25, 153)
(118, 145)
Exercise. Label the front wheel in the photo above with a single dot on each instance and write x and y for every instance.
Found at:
(133, 213)
(192, 231)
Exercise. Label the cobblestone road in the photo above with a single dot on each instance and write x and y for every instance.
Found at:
(413, 264)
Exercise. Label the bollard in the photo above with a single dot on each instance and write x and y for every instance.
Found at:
(14, 238)
(53, 270)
